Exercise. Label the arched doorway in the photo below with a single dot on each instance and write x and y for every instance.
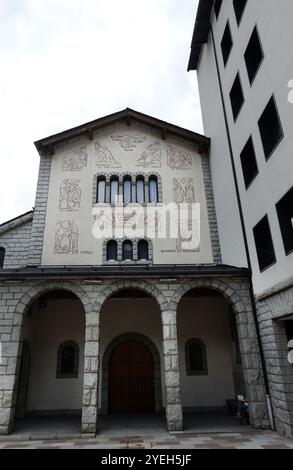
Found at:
(50, 383)
(210, 359)
(131, 379)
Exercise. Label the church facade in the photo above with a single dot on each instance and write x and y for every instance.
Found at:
(104, 308)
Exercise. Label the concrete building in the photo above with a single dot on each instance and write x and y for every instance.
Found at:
(125, 323)
(241, 50)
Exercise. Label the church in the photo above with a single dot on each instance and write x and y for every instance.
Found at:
(106, 308)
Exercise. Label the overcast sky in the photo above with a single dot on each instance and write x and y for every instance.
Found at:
(66, 62)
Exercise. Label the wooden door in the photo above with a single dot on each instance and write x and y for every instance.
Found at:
(131, 379)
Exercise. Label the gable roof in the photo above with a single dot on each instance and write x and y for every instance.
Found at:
(201, 32)
(128, 115)
(16, 222)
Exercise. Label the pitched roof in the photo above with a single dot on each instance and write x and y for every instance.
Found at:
(19, 220)
(201, 32)
(128, 115)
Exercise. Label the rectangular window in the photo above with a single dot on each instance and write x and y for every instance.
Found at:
(264, 244)
(270, 128)
(289, 329)
(253, 55)
(217, 7)
(236, 97)
(239, 7)
(249, 163)
(285, 215)
(226, 44)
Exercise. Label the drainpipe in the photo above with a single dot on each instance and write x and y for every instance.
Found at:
(252, 298)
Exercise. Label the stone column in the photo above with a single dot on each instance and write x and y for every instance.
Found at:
(171, 370)
(91, 374)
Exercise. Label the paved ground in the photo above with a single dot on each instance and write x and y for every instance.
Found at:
(251, 440)
(202, 431)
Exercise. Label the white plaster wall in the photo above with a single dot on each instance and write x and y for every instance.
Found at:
(207, 320)
(48, 328)
(274, 22)
(90, 249)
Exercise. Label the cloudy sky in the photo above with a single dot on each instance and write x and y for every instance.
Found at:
(66, 62)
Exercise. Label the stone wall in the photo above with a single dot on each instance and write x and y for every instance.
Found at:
(15, 299)
(15, 238)
(271, 313)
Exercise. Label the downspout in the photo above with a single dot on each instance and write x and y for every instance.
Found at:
(252, 298)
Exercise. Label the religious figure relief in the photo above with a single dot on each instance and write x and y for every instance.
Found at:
(183, 190)
(66, 237)
(75, 160)
(151, 157)
(70, 195)
(178, 159)
(129, 142)
(104, 157)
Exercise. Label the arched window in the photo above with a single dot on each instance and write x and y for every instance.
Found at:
(153, 189)
(127, 190)
(143, 250)
(127, 251)
(68, 360)
(112, 250)
(196, 357)
(2, 257)
(114, 192)
(140, 194)
(101, 190)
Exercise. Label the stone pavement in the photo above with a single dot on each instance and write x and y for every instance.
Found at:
(244, 440)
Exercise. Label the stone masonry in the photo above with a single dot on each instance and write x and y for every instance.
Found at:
(16, 298)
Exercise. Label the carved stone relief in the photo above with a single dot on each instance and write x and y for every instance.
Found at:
(70, 195)
(66, 237)
(75, 160)
(104, 157)
(183, 190)
(128, 142)
(151, 157)
(178, 159)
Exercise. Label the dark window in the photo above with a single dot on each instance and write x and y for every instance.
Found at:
(239, 6)
(217, 7)
(112, 250)
(153, 189)
(127, 190)
(236, 97)
(143, 250)
(68, 360)
(114, 190)
(270, 128)
(264, 244)
(127, 251)
(249, 163)
(253, 55)
(226, 44)
(196, 358)
(2, 257)
(101, 191)
(140, 193)
(289, 329)
(285, 215)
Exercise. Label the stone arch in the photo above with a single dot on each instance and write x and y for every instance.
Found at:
(144, 286)
(157, 367)
(36, 291)
(223, 287)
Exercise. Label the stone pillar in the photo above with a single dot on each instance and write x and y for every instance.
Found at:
(9, 369)
(91, 374)
(252, 370)
(171, 370)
